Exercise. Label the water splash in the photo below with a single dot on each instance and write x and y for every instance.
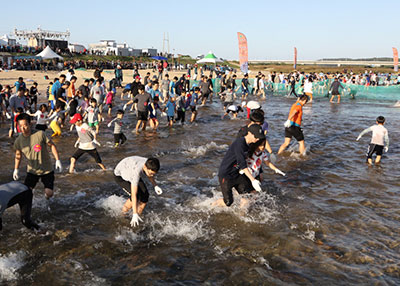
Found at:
(9, 265)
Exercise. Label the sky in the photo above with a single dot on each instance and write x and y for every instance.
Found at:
(319, 29)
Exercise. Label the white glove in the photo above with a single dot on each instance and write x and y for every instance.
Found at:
(287, 123)
(158, 190)
(272, 158)
(59, 166)
(386, 149)
(125, 106)
(96, 142)
(16, 174)
(358, 138)
(256, 185)
(76, 144)
(135, 220)
(8, 115)
(277, 171)
(109, 125)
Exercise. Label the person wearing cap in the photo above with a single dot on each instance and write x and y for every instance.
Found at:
(257, 117)
(34, 147)
(86, 141)
(251, 106)
(293, 125)
(234, 163)
(17, 193)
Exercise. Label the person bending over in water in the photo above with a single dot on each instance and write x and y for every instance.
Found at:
(234, 162)
(128, 174)
(379, 136)
(17, 193)
(293, 125)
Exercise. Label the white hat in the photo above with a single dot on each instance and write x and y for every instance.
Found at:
(243, 103)
(253, 104)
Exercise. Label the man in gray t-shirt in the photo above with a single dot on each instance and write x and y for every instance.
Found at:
(97, 92)
(143, 100)
(165, 86)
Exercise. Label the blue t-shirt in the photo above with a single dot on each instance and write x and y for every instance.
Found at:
(55, 87)
(172, 87)
(193, 99)
(170, 108)
(156, 93)
(18, 85)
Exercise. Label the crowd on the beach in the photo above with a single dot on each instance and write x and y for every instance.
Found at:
(83, 108)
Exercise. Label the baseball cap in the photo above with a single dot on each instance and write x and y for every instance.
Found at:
(75, 118)
(138, 77)
(253, 104)
(256, 130)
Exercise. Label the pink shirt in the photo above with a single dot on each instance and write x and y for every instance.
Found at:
(109, 98)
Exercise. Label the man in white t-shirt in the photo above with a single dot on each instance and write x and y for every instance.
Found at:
(128, 174)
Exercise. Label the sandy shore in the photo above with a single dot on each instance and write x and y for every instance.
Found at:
(10, 77)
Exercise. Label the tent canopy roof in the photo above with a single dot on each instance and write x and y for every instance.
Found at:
(48, 53)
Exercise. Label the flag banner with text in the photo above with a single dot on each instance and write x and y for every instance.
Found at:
(243, 53)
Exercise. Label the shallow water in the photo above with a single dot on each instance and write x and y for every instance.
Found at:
(331, 221)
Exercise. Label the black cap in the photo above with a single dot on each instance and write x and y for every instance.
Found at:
(256, 130)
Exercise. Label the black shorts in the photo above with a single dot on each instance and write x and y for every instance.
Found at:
(119, 138)
(374, 148)
(206, 95)
(142, 193)
(47, 180)
(193, 108)
(109, 105)
(242, 185)
(335, 92)
(143, 115)
(33, 99)
(294, 131)
(42, 127)
(227, 103)
(78, 153)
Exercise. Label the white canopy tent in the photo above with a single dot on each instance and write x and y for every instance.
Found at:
(48, 53)
(210, 58)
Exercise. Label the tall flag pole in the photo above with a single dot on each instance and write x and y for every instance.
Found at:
(295, 58)
(395, 59)
(243, 53)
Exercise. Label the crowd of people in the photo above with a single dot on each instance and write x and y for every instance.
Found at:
(83, 108)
